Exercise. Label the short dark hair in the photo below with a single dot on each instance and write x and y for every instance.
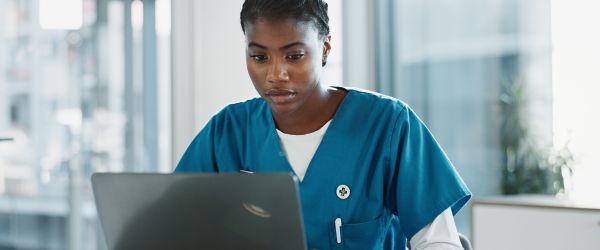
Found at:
(312, 11)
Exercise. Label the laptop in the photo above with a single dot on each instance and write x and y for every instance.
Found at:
(199, 211)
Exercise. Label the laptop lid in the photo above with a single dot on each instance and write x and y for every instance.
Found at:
(199, 211)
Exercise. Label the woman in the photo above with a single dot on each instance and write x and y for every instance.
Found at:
(372, 175)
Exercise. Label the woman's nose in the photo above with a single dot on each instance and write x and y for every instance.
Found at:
(277, 72)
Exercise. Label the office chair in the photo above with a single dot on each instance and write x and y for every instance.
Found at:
(464, 241)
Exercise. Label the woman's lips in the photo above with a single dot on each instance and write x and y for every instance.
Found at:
(280, 96)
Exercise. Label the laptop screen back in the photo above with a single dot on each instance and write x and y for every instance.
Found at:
(199, 211)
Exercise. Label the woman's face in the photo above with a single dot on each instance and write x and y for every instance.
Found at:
(284, 60)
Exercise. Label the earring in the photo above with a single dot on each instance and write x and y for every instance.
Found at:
(324, 60)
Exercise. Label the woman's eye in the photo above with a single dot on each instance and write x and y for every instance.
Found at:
(295, 57)
(259, 58)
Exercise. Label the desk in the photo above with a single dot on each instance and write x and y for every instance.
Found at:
(525, 222)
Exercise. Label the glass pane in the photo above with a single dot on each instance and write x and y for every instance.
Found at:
(451, 60)
(72, 96)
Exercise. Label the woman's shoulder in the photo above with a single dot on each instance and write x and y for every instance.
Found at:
(242, 111)
(375, 101)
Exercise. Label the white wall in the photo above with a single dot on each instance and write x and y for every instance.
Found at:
(220, 70)
(359, 51)
(209, 69)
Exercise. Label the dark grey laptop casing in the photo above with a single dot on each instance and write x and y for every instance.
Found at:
(199, 211)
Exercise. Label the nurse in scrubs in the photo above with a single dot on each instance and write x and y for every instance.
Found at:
(372, 175)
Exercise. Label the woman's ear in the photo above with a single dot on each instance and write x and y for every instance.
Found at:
(326, 48)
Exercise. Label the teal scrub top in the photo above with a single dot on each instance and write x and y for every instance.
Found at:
(399, 178)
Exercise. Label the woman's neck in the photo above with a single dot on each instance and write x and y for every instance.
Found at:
(322, 108)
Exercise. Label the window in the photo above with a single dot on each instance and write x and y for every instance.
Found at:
(83, 88)
(448, 61)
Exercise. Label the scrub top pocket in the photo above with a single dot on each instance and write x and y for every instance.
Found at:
(363, 236)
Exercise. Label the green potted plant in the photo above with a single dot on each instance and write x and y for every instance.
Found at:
(527, 166)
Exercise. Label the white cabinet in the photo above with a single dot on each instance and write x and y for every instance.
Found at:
(535, 222)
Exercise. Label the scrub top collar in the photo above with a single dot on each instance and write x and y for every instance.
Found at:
(328, 144)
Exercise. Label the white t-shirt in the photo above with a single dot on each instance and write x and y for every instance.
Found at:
(300, 149)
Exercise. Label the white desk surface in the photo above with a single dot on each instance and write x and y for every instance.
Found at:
(546, 201)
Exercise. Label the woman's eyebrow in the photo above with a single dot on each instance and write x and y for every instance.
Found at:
(292, 45)
(253, 44)
(287, 46)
